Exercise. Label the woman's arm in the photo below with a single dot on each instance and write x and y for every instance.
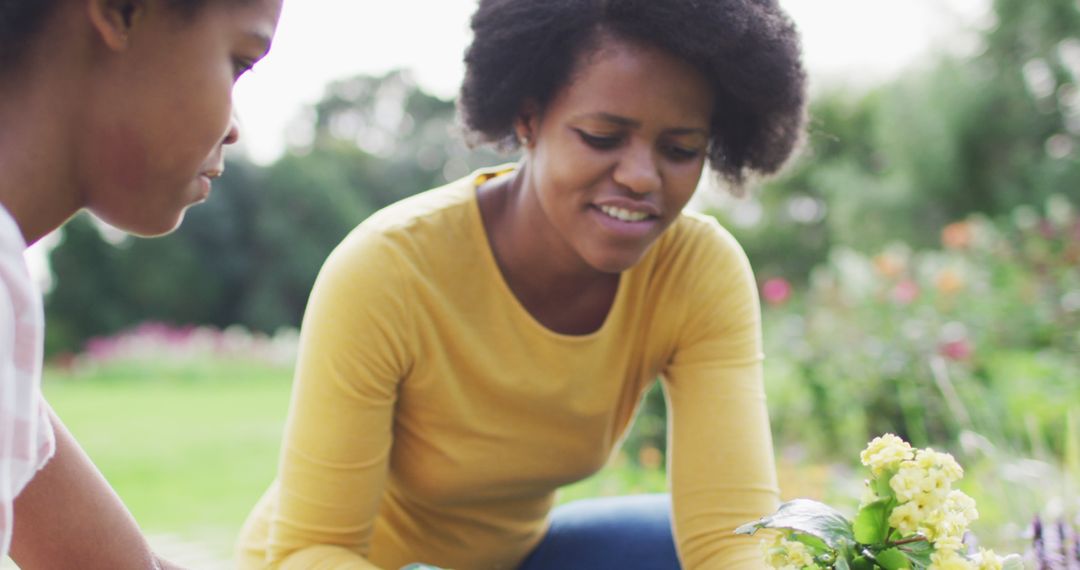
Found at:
(721, 469)
(338, 436)
(69, 517)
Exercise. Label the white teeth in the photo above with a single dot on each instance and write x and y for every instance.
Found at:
(623, 214)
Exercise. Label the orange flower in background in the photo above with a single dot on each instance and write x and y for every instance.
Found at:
(1072, 254)
(949, 281)
(650, 458)
(956, 235)
(889, 265)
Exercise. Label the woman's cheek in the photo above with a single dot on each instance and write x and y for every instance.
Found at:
(124, 163)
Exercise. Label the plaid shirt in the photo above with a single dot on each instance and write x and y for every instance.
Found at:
(26, 436)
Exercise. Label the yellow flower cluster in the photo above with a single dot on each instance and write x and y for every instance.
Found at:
(926, 516)
(947, 556)
(884, 453)
(921, 480)
(989, 561)
(927, 502)
(784, 554)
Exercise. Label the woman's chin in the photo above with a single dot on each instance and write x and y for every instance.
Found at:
(613, 264)
(145, 225)
(161, 227)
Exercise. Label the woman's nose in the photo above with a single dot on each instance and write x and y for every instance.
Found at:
(232, 134)
(637, 170)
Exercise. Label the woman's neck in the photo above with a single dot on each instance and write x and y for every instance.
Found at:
(36, 182)
(546, 275)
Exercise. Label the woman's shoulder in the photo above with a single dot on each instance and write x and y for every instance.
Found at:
(437, 218)
(699, 238)
(422, 232)
(381, 256)
(427, 210)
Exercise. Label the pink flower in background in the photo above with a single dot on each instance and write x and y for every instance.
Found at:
(905, 292)
(161, 341)
(1046, 229)
(776, 291)
(959, 349)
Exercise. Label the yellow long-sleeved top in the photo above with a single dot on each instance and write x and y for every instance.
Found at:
(433, 418)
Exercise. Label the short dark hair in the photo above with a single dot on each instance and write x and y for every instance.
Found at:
(748, 49)
(21, 21)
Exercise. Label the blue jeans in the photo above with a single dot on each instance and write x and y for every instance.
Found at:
(624, 533)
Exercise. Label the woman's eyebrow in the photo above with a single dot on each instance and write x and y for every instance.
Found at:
(611, 118)
(261, 38)
(632, 123)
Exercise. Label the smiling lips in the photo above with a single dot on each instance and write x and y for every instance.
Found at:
(626, 219)
(623, 214)
(205, 182)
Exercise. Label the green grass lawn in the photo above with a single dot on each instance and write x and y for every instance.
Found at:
(191, 447)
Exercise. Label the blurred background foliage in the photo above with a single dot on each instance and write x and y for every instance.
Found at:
(952, 137)
(919, 264)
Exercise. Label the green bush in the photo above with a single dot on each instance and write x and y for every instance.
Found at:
(980, 335)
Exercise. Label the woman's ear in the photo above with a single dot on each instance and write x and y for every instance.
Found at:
(113, 20)
(527, 123)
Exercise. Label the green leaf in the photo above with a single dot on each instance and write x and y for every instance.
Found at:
(861, 563)
(807, 517)
(881, 487)
(841, 564)
(892, 559)
(872, 523)
(917, 553)
(815, 544)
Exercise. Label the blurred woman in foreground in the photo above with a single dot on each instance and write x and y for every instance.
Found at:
(121, 107)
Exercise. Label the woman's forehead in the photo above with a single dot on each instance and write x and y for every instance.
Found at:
(624, 79)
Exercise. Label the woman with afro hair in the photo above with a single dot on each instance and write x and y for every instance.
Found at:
(469, 350)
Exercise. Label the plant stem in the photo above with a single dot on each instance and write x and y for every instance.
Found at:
(909, 540)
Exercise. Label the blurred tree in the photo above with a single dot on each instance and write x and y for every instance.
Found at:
(790, 223)
(949, 138)
(85, 302)
(410, 136)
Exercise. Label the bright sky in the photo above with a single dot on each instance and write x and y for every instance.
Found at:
(856, 42)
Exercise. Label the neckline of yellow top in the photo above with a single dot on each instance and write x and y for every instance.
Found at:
(492, 267)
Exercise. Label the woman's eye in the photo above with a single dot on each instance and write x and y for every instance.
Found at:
(602, 142)
(682, 153)
(241, 66)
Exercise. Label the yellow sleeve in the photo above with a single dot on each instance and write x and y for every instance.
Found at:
(338, 435)
(721, 466)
